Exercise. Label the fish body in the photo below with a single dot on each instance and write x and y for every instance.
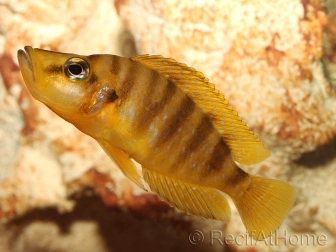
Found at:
(172, 121)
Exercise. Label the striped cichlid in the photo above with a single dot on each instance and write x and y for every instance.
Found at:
(172, 121)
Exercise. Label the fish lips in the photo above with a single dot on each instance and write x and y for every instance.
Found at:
(25, 61)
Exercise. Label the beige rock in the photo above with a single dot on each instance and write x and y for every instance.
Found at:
(43, 153)
(264, 56)
(58, 190)
(267, 55)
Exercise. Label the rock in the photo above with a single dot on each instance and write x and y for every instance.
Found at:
(265, 57)
(55, 181)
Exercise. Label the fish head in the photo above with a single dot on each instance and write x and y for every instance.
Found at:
(68, 84)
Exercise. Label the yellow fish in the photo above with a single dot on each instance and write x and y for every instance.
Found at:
(171, 120)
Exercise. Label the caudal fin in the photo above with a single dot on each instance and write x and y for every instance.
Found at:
(264, 205)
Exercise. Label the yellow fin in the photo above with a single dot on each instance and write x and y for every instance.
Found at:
(245, 146)
(196, 200)
(264, 205)
(123, 161)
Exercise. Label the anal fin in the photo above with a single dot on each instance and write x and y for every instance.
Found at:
(201, 201)
(125, 164)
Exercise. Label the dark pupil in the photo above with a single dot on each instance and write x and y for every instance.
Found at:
(75, 69)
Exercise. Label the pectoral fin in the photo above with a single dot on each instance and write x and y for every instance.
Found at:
(125, 164)
(196, 200)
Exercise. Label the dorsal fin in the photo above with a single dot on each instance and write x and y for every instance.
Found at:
(245, 146)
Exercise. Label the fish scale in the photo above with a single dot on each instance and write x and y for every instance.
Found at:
(172, 121)
(157, 92)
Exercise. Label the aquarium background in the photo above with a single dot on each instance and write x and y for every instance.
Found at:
(275, 61)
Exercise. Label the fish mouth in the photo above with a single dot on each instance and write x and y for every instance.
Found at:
(25, 61)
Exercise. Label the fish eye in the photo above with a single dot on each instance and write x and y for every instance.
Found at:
(76, 69)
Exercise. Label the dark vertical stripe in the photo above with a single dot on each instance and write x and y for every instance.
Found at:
(175, 121)
(126, 79)
(148, 100)
(236, 176)
(219, 154)
(115, 65)
(157, 96)
(200, 135)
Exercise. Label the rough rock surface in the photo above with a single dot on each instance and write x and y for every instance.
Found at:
(58, 190)
(266, 57)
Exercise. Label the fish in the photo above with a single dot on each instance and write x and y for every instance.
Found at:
(171, 120)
